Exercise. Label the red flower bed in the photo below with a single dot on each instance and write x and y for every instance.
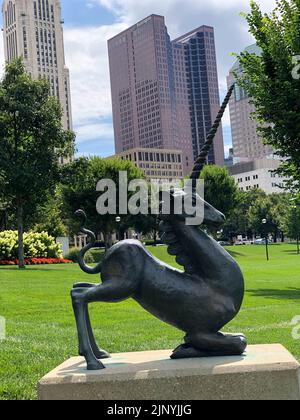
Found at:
(37, 261)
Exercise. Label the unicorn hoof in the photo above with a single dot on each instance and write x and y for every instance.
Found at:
(102, 354)
(95, 366)
(186, 352)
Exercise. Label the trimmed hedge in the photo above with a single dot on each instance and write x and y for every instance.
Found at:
(36, 245)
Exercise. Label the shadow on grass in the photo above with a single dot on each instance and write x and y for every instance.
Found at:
(292, 293)
(235, 254)
(291, 252)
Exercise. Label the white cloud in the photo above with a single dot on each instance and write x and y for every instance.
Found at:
(130, 10)
(88, 132)
(87, 59)
(226, 118)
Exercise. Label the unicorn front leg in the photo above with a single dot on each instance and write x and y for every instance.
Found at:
(114, 290)
(99, 353)
(81, 310)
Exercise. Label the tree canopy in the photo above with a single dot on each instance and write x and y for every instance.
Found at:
(32, 141)
(220, 189)
(79, 192)
(290, 222)
(273, 81)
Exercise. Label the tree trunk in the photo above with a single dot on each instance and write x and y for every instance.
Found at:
(108, 240)
(155, 236)
(20, 236)
(298, 246)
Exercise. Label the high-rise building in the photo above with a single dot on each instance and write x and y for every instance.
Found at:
(247, 144)
(142, 84)
(200, 66)
(33, 29)
(183, 121)
(161, 98)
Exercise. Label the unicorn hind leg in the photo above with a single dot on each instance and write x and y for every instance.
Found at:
(211, 345)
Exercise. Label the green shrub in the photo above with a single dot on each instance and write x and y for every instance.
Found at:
(98, 255)
(8, 242)
(72, 255)
(36, 245)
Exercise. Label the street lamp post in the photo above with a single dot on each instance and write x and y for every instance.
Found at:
(118, 220)
(264, 222)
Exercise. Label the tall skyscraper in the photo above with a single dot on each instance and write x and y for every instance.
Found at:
(161, 98)
(247, 144)
(199, 63)
(183, 120)
(33, 29)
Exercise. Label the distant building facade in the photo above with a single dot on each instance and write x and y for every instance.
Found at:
(32, 29)
(247, 144)
(159, 165)
(183, 120)
(229, 159)
(258, 174)
(161, 97)
(202, 88)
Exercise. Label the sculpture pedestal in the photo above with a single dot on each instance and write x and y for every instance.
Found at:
(266, 372)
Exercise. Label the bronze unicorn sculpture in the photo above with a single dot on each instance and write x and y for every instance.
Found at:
(199, 301)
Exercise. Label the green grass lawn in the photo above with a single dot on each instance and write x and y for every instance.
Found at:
(41, 332)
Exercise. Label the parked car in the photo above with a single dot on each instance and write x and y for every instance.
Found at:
(262, 241)
(224, 243)
(239, 243)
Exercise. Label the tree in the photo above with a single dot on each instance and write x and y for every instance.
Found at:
(279, 203)
(291, 221)
(271, 207)
(220, 189)
(31, 142)
(49, 216)
(273, 82)
(238, 222)
(79, 191)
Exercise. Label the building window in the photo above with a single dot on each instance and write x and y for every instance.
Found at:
(35, 10)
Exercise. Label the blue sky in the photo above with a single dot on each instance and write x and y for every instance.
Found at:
(90, 23)
(82, 12)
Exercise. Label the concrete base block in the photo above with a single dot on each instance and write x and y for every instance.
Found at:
(265, 372)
